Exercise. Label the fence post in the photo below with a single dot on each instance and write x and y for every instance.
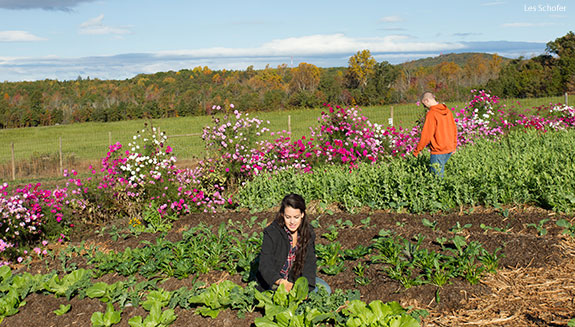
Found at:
(289, 124)
(61, 159)
(566, 98)
(109, 139)
(13, 162)
(390, 121)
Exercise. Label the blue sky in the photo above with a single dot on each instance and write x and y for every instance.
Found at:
(117, 39)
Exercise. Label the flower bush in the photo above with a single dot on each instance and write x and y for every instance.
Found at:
(233, 141)
(344, 135)
(28, 215)
(143, 176)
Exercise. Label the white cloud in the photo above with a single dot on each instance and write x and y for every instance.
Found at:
(520, 25)
(391, 19)
(95, 26)
(18, 36)
(320, 44)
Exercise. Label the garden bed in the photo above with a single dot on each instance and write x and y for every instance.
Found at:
(532, 287)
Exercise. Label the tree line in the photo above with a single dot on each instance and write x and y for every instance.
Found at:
(364, 82)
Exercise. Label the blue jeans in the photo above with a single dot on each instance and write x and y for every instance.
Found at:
(438, 161)
(318, 282)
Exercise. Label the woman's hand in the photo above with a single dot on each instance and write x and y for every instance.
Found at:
(287, 285)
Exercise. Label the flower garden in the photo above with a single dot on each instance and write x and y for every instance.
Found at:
(138, 241)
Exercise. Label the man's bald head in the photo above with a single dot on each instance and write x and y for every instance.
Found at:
(428, 99)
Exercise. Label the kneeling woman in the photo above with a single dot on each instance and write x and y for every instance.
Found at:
(288, 248)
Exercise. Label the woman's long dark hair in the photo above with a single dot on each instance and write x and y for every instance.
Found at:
(304, 230)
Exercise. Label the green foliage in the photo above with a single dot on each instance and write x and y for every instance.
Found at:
(294, 308)
(568, 227)
(411, 265)
(154, 303)
(69, 284)
(155, 221)
(330, 258)
(427, 223)
(280, 306)
(200, 251)
(214, 299)
(378, 313)
(536, 77)
(526, 167)
(64, 308)
(361, 278)
(106, 319)
(564, 48)
(156, 318)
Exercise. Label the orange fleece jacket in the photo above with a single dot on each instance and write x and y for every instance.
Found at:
(439, 129)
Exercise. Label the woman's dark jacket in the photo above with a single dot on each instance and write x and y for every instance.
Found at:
(275, 249)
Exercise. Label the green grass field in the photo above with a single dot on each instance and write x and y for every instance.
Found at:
(90, 141)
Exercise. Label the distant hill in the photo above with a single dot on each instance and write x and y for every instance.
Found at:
(458, 58)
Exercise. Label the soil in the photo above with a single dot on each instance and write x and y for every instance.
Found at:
(533, 286)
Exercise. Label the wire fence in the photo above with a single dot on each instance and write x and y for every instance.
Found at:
(36, 158)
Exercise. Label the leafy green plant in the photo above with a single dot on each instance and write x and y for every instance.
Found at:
(69, 284)
(365, 223)
(156, 317)
(108, 318)
(156, 221)
(243, 299)
(330, 258)
(427, 223)
(358, 252)
(332, 233)
(486, 228)
(359, 270)
(64, 308)
(280, 306)
(539, 226)
(502, 211)
(344, 224)
(323, 206)
(213, 299)
(568, 227)
(377, 313)
(458, 229)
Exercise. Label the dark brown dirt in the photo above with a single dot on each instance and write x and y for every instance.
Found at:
(521, 246)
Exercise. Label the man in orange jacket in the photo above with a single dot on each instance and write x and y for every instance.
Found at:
(440, 130)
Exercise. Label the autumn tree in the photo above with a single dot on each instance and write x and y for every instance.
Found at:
(476, 70)
(361, 67)
(305, 78)
(494, 66)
